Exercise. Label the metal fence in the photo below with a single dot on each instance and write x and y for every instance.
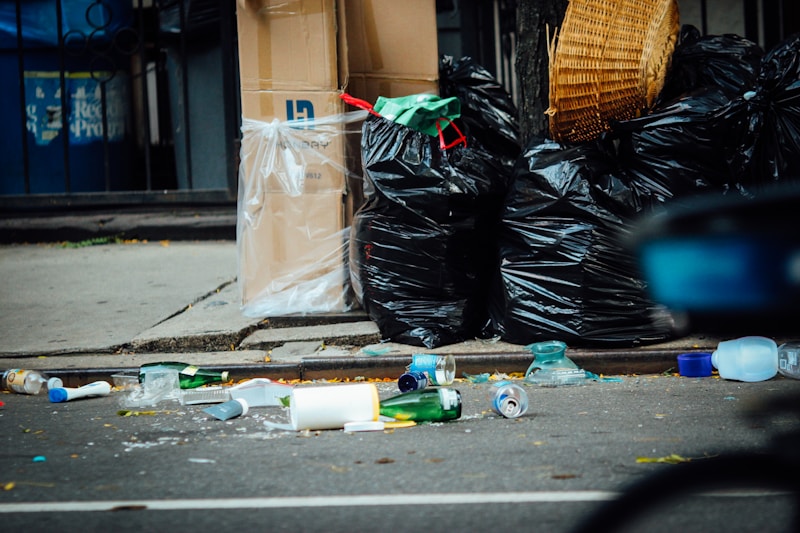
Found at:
(118, 102)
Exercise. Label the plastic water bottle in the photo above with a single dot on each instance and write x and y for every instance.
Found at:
(746, 359)
(28, 381)
(789, 359)
(508, 399)
(440, 369)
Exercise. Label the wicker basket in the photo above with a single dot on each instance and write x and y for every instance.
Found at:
(607, 63)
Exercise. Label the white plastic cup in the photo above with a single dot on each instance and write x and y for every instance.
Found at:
(332, 406)
(746, 359)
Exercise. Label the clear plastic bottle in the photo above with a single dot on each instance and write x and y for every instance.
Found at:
(789, 359)
(441, 369)
(29, 381)
(508, 399)
(424, 405)
(746, 359)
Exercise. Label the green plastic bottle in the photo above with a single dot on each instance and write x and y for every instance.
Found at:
(189, 376)
(424, 405)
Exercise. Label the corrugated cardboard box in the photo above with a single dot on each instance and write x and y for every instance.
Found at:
(287, 44)
(295, 56)
(391, 39)
(369, 87)
(305, 158)
(290, 259)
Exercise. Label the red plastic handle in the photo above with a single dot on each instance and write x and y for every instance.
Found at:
(459, 140)
(358, 102)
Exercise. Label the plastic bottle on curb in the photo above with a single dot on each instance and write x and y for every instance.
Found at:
(440, 369)
(746, 359)
(189, 376)
(789, 359)
(28, 381)
(508, 399)
(424, 405)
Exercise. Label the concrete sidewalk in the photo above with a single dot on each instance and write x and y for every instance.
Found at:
(83, 312)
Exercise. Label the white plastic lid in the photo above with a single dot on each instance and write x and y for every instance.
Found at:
(243, 403)
(54, 383)
(367, 425)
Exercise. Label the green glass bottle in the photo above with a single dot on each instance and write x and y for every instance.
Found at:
(424, 405)
(189, 376)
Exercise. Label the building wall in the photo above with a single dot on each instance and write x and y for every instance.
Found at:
(724, 16)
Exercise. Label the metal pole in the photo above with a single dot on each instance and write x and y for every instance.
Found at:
(26, 167)
(63, 89)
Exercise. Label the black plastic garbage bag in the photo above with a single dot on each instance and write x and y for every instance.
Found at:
(770, 147)
(422, 247)
(729, 63)
(680, 149)
(565, 272)
(487, 110)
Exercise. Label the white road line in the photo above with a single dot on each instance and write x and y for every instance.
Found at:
(376, 500)
(311, 501)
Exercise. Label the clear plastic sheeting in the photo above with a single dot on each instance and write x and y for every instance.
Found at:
(291, 235)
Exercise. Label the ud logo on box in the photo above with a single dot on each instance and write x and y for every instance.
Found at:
(299, 110)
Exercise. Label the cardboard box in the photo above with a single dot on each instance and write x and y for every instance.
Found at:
(301, 159)
(295, 57)
(291, 254)
(392, 39)
(288, 45)
(290, 105)
(369, 87)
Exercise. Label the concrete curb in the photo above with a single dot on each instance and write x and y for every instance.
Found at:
(608, 362)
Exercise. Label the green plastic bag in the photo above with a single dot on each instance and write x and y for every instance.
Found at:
(420, 112)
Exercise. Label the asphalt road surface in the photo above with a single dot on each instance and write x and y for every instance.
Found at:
(80, 466)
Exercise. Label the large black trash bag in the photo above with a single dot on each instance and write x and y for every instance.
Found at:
(565, 271)
(680, 149)
(770, 146)
(422, 247)
(729, 63)
(487, 110)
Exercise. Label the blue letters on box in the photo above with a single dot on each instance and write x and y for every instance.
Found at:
(299, 110)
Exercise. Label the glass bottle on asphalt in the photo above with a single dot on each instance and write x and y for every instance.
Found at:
(424, 405)
(189, 376)
(28, 381)
(508, 399)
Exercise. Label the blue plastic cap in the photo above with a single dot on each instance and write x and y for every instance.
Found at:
(57, 395)
(694, 365)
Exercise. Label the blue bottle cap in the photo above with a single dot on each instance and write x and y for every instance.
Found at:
(57, 395)
(694, 365)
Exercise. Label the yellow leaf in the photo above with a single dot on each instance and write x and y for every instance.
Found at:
(672, 459)
(10, 485)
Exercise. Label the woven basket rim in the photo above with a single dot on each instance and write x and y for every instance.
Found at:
(607, 62)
